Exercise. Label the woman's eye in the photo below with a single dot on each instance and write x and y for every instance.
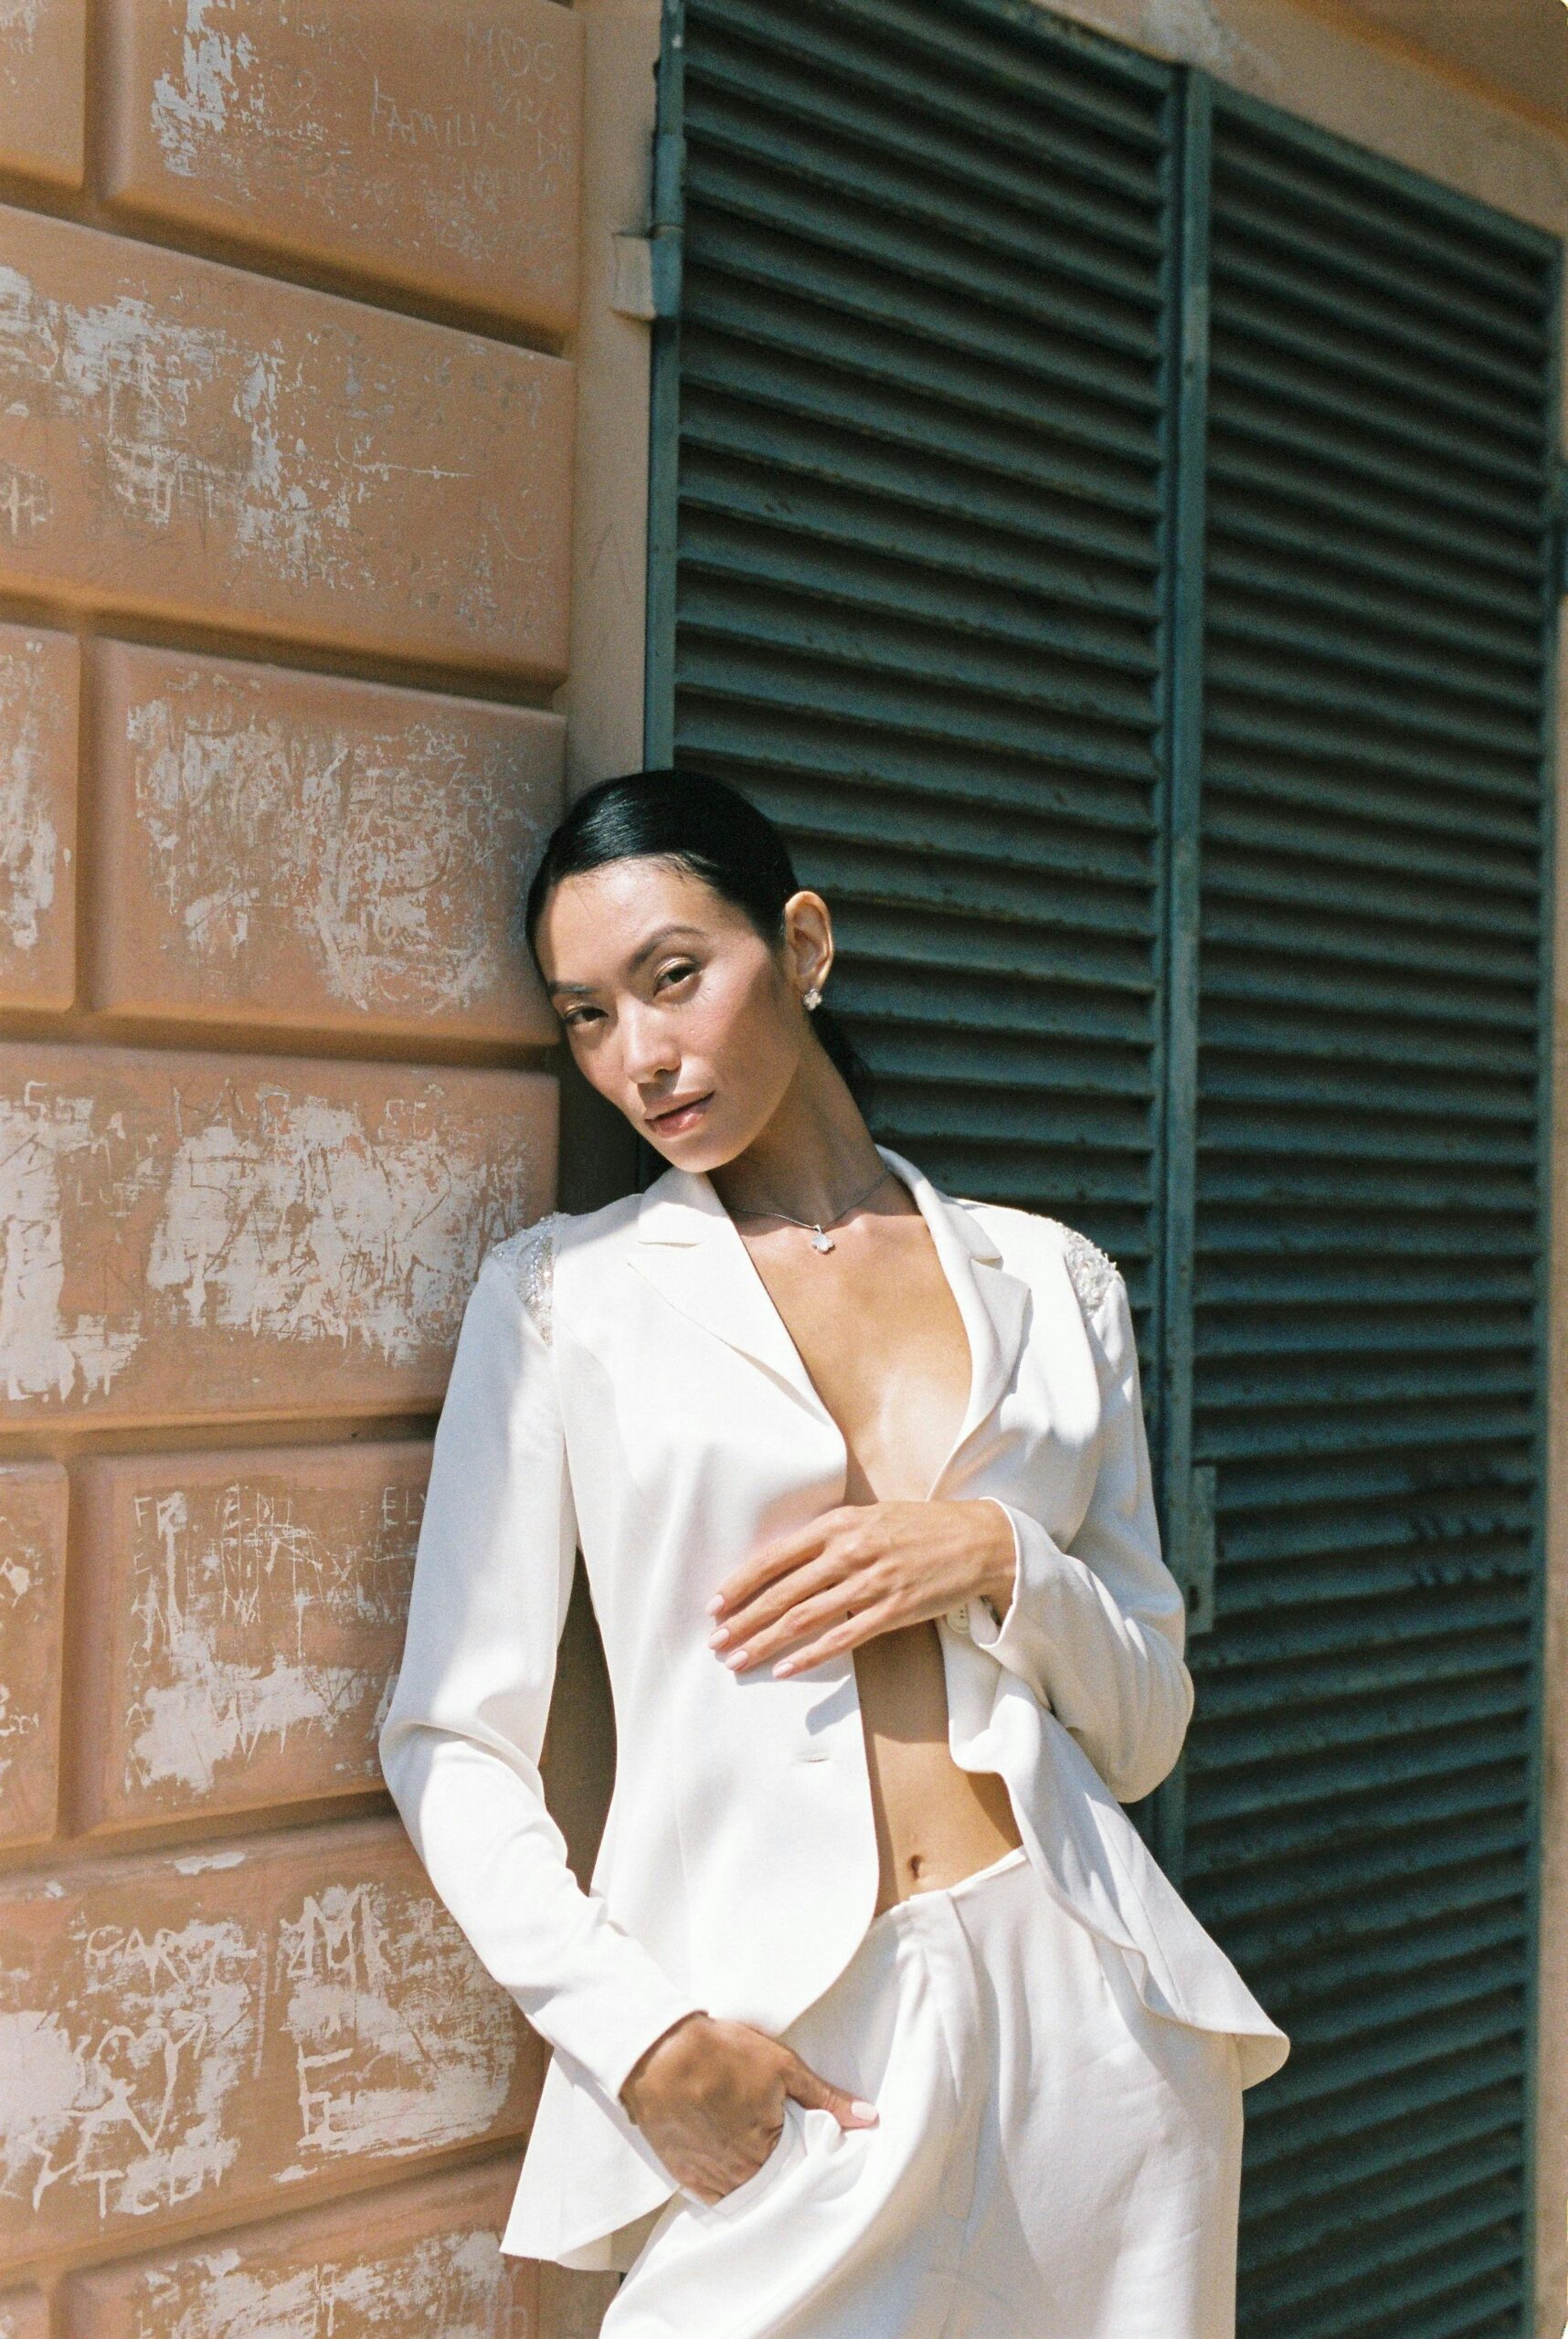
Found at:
(677, 974)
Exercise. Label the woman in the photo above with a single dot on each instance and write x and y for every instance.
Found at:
(877, 2021)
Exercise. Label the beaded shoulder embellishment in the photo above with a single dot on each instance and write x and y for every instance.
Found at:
(1087, 1264)
(529, 1258)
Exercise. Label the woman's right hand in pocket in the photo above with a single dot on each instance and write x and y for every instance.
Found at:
(709, 2096)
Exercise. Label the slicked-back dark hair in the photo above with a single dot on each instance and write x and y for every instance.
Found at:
(693, 820)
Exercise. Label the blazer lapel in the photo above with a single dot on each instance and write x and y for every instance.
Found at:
(993, 1302)
(689, 1248)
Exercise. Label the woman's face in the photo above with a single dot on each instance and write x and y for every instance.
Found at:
(674, 1006)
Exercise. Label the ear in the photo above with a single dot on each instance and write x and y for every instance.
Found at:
(808, 938)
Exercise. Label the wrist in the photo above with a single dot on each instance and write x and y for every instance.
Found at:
(999, 1571)
(630, 2085)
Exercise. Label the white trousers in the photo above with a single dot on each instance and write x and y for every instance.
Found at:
(1052, 2161)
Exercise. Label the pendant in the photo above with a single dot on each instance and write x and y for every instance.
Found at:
(821, 1242)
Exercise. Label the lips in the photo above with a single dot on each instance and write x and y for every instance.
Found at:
(673, 1112)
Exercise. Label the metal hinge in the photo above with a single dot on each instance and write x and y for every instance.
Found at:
(648, 268)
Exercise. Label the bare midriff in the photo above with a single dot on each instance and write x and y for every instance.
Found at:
(886, 1348)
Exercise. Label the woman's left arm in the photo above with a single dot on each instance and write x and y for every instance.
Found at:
(1097, 1631)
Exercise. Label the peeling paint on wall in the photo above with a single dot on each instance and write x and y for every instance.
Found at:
(422, 2259)
(252, 1611)
(442, 150)
(48, 1347)
(34, 1503)
(38, 689)
(30, 851)
(217, 1579)
(186, 1230)
(317, 850)
(182, 437)
(452, 2285)
(167, 2041)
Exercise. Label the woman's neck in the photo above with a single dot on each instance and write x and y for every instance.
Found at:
(812, 1160)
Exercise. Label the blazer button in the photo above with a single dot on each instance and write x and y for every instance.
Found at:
(960, 1618)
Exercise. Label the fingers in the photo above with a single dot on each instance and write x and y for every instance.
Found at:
(780, 1557)
(815, 1598)
(808, 2088)
(841, 1635)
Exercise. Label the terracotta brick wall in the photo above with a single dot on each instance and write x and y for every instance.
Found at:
(288, 392)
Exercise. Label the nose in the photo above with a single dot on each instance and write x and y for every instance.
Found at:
(650, 1053)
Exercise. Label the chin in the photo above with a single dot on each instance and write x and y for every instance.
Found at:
(702, 1150)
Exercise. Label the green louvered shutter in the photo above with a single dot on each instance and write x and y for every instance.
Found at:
(915, 410)
(1370, 1288)
(1171, 744)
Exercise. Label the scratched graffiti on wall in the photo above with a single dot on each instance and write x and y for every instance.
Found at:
(177, 434)
(186, 1228)
(306, 847)
(225, 2026)
(261, 1613)
(453, 2285)
(465, 149)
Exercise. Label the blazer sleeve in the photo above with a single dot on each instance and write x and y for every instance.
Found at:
(460, 1741)
(1097, 1630)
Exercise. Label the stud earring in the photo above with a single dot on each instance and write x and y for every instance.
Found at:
(813, 997)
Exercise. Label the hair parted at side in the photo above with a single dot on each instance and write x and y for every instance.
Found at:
(699, 822)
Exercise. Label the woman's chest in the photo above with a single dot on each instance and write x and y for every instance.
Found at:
(883, 1344)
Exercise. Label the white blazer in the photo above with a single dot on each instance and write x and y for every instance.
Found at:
(624, 1381)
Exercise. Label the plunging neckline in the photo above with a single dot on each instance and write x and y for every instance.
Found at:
(966, 1419)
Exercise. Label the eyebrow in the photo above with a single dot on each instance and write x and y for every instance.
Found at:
(638, 958)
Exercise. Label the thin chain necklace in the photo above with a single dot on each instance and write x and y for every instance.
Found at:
(820, 1240)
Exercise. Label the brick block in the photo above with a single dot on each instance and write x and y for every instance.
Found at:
(191, 1236)
(420, 2261)
(43, 49)
(39, 690)
(237, 2031)
(188, 441)
(439, 149)
(309, 851)
(249, 1611)
(34, 1502)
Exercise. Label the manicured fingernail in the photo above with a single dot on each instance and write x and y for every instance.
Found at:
(785, 1664)
(862, 2109)
(715, 1603)
(736, 1656)
(717, 1640)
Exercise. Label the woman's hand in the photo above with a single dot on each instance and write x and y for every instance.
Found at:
(709, 2096)
(891, 1563)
